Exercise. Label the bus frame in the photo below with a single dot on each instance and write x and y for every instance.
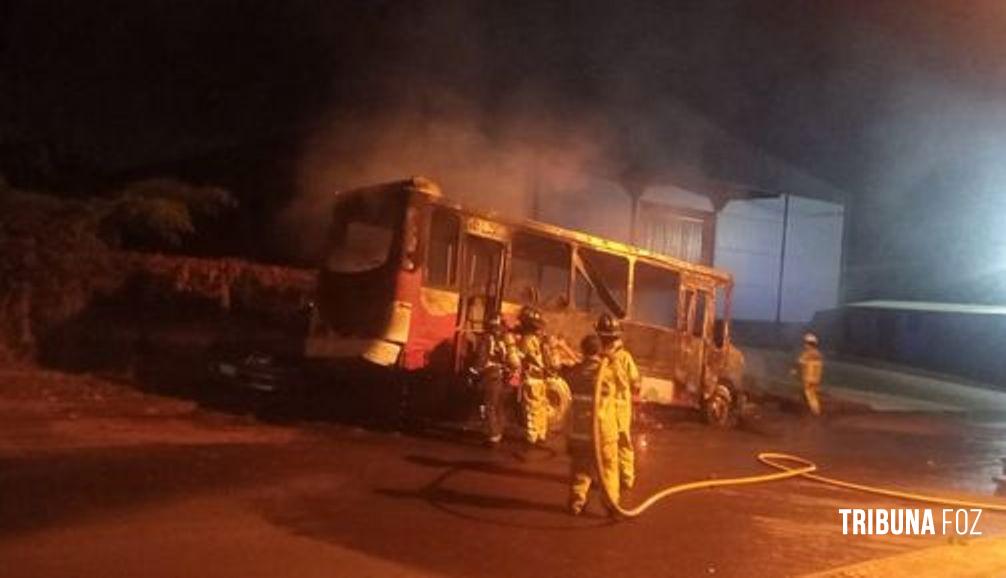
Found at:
(449, 265)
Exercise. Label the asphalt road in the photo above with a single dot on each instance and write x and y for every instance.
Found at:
(99, 479)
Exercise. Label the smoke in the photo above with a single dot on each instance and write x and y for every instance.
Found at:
(900, 108)
(930, 178)
(509, 107)
(504, 162)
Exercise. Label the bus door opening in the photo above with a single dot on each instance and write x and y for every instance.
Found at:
(694, 333)
(480, 292)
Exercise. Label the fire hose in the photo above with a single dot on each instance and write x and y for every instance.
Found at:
(788, 466)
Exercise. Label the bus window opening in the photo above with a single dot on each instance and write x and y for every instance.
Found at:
(602, 282)
(442, 251)
(655, 295)
(539, 272)
(699, 320)
(362, 234)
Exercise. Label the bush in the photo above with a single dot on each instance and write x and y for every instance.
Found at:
(55, 253)
(51, 260)
(161, 213)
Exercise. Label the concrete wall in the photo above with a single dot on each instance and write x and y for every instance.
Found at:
(955, 339)
(749, 236)
(602, 208)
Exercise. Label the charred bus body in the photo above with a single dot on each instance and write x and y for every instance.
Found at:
(410, 278)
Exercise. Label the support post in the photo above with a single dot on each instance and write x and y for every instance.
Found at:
(782, 259)
(634, 221)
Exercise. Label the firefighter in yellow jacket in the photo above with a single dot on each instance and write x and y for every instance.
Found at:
(811, 366)
(627, 381)
(591, 373)
(535, 366)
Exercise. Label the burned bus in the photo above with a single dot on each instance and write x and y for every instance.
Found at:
(410, 277)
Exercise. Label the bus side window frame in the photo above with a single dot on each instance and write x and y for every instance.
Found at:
(720, 336)
(566, 268)
(594, 293)
(686, 300)
(701, 307)
(452, 271)
(674, 287)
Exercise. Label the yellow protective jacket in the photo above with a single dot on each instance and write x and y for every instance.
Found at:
(583, 378)
(536, 359)
(811, 365)
(626, 377)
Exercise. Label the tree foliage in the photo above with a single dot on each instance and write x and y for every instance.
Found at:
(51, 261)
(56, 253)
(162, 212)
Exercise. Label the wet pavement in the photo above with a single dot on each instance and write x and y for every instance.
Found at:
(119, 483)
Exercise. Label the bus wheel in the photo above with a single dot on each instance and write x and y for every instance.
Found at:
(722, 408)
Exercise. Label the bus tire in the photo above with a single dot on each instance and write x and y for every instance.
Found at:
(723, 407)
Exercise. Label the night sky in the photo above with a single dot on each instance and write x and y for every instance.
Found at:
(839, 88)
(895, 103)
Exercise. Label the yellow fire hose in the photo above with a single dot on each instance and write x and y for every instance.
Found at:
(803, 468)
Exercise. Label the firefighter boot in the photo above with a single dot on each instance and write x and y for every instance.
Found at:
(585, 473)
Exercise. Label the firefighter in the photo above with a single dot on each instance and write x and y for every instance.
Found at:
(810, 364)
(627, 383)
(584, 377)
(559, 358)
(534, 364)
(491, 362)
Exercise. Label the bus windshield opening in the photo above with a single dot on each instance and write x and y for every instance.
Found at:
(362, 234)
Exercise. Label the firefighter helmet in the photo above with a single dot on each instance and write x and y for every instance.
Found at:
(531, 318)
(608, 326)
(810, 339)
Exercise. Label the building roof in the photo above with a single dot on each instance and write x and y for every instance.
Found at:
(932, 307)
